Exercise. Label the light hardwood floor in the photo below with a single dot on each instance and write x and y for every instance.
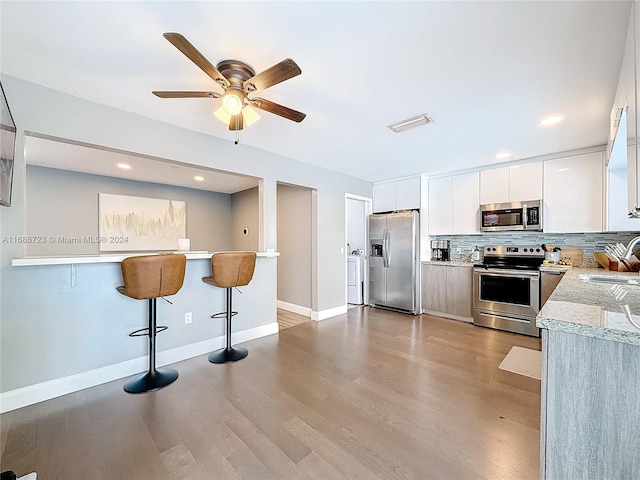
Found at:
(367, 395)
(288, 319)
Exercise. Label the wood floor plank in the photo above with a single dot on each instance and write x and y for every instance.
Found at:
(318, 469)
(369, 394)
(5, 426)
(288, 319)
(265, 450)
(20, 450)
(339, 459)
(181, 464)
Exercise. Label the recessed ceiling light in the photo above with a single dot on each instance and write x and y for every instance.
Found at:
(199, 178)
(550, 120)
(124, 166)
(503, 155)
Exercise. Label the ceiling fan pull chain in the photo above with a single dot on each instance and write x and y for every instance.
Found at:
(237, 141)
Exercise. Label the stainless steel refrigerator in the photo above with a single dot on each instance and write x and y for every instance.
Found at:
(394, 261)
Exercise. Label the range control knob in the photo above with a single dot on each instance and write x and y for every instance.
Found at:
(537, 250)
(525, 249)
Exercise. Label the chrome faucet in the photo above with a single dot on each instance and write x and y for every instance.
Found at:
(629, 250)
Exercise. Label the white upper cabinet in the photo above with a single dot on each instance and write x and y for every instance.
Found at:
(400, 195)
(625, 99)
(573, 198)
(441, 206)
(408, 194)
(494, 185)
(466, 203)
(525, 182)
(454, 204)
(617, 194)
(511, 184)
(384, 197)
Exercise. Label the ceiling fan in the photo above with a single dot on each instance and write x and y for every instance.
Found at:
(238, 80)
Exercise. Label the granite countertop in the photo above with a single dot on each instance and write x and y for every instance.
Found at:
(450, 263)
(600, 310)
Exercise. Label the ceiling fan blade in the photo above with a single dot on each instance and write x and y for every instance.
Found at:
(280, 72)
(196, 57)
(236, 122)
(272, 107)
(171, 94)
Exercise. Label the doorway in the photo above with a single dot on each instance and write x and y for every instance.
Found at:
(296, 242)
(357, 214)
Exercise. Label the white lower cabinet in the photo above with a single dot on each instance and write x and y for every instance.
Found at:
(573, 195)
(447, 290)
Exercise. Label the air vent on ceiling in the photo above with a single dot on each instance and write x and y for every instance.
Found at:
(423, 119)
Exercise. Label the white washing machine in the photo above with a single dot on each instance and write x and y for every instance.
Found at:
(355, 277)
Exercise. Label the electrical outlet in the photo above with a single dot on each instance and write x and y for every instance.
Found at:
(188, 318)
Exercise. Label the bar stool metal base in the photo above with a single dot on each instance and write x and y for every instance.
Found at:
(226, 355)
(151, 380)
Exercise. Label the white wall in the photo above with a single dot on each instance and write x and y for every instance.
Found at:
(25, 310)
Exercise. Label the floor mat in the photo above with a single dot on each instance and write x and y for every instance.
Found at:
(523, 361)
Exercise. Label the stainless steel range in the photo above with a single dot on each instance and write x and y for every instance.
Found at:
(506, 288)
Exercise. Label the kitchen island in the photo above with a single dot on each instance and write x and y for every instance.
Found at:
(590, 412)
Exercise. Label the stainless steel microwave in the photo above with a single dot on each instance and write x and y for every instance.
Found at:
(500, 217)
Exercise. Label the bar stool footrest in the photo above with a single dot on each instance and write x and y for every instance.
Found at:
(223, 315)
(144, 332)
(151, 380)
(226, 355)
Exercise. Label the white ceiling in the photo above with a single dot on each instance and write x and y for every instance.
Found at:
(487, 72)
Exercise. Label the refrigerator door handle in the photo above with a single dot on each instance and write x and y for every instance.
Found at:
(385, 247)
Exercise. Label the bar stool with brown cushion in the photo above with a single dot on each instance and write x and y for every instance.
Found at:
(148, 277)
(229, 270)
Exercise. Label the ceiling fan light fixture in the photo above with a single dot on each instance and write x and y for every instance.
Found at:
(232, 101)
(250, 115)
(222, 115)
(412, 122)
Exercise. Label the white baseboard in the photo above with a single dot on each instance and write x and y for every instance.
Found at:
(21, 397)
(292, 307)
(331, 312)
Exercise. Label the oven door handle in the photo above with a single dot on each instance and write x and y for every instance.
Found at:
(496, 272)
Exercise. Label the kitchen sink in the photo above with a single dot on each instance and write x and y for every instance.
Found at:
(613, 279)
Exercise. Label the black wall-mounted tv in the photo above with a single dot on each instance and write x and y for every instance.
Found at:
(7, 151)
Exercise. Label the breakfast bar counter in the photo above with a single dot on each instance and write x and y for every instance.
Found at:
(590, 413)
(79, 323)
(108, 258)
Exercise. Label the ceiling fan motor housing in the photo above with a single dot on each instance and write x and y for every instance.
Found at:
(235, 71)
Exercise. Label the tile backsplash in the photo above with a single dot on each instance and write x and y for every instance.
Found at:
(589, 242)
